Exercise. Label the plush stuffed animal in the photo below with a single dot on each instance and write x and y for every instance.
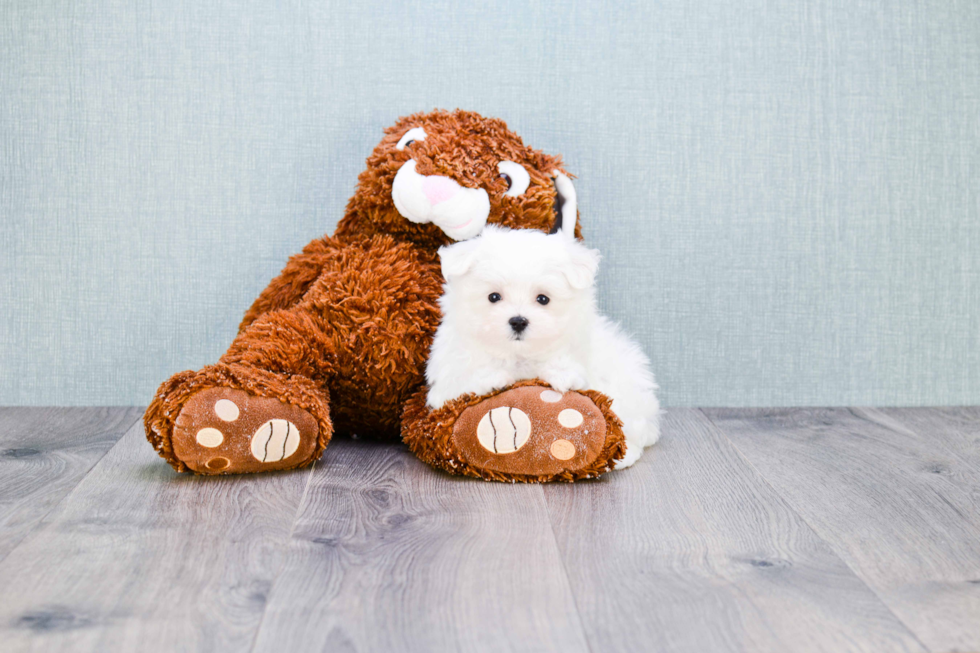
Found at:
(339, 340)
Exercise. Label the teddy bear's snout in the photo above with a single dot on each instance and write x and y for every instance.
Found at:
(439, 189)
(460, 212)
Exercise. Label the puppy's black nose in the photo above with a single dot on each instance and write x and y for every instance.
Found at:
(518, 323)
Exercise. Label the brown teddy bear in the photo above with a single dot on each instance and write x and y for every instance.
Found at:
(339, 340)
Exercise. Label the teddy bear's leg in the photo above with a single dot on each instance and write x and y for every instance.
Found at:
(527, 433)
(263, 407)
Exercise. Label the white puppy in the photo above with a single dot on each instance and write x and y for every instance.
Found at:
(520, 304)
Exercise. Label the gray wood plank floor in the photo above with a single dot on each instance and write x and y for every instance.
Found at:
(693, 539)
(744, 530)
(44, 453)
(389, 554)
(898, 505)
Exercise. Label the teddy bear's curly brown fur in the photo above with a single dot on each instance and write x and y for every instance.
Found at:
(339, 340)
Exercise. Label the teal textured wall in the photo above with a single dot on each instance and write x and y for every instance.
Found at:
(786, 192)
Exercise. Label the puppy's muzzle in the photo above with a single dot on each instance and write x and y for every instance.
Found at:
(518, 324)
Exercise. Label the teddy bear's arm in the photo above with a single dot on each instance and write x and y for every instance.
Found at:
(292, 283)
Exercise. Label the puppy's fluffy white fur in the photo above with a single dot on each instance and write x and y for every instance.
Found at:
(565, 342)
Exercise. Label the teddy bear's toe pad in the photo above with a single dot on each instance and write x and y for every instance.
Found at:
(531, 430)
(228, 431)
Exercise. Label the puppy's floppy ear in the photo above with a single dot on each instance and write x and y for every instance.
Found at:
(582, 266)
(458, 258)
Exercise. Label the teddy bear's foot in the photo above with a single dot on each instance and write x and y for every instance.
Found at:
(228, 431)
(526, 433)
(232, 419)
(531, 431)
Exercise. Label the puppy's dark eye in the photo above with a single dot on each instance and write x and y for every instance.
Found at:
(543, 299)
(506, 177)
(494, 297)
(407, 143)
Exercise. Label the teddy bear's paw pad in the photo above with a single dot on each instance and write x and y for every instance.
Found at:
(228, 431)
(532, 431)
(504, 430)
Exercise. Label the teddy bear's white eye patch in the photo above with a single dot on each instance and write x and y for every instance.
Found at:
(517, 178)
(413, 134)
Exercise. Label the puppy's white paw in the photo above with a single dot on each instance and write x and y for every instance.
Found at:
(490, 380)
(567, 379)
(481, 382)
(435, 399)
(633, 453)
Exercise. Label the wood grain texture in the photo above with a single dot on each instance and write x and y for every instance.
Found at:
(899, 505)
(727, 536)
(957, 429)
(137, 557)
(44, 453)
(690, 550)
(390, 555)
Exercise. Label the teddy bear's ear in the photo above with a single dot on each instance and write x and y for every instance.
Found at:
(582, 267)
(458, 258)
(566, 206)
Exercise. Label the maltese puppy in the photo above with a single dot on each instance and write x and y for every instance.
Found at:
(520, 304)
